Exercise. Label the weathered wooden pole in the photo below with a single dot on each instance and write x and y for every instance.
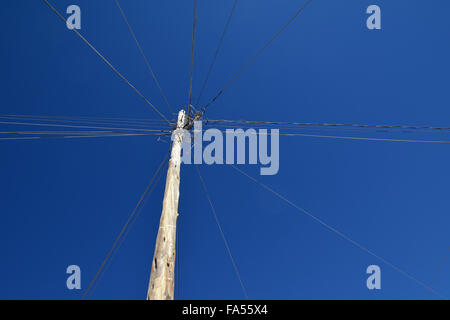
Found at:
(161, 286)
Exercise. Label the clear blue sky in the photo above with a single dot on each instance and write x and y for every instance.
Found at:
(64, 201)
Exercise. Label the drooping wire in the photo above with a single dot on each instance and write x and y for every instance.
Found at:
(194, 26)
(340, 234)
(124, 227)
(213, 210)
(217, 52)
(143, 55)
(228, 84)
(107, 62)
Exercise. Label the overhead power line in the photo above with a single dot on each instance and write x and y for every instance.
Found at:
(107, 62)
(259, 52)
(78, 136)
(227, 246)
(43, 121)
(82, 118)
(235, 124)
(348, 137)
(62, 132)
(111, 135)
(194, 26)
(357, 138)
(122, 231)
(217, 52)
(72, 126)
(440, 267)
(356, 125)
(116, 123)
(364, 138)
(130, 226)
(340, 234)
(143, 55)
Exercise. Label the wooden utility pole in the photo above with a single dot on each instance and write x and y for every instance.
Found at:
(161, 286)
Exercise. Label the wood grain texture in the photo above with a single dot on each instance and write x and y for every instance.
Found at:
(161, 286)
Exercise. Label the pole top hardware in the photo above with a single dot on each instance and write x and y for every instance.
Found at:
(190, 120)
